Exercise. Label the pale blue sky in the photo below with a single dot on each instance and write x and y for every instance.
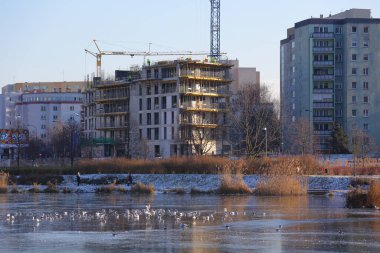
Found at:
(44, 40)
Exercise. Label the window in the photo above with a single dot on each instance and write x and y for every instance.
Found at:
(55, 108)
(43, 117)
(163, 103)
(172, 117)
(353, 29)
(365, 112)
(72, 108)
(140, 119)
(338, 57)
(365, 85)
(156, 103)
(293, 106)
(148, 103)
(365, 57)
(338, 30)
(354, 43)
(365, 126)
(338, 85)
(293, 69)
(353, 99)
(164, 117)
(140, 104)
(148, 133)
(148, 119)
(353, 85)
(140, 90)
(338, 44)
(293, 94)
(55, 117)
(43, 136)
(165, 133)
(365, 99)
(174, 101)
(293, 57)
(43, 126)
(156, 118)
(353, 57)
(354, 71)
(365, 71)
(43, 108)
(156, 89)
(156, 133)
(353, 113)
(365, 44)
(365, 29)
(148, 90)
(172, 133)
(140, 134)
(293, 44)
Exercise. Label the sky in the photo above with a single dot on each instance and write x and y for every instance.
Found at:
(44, 40)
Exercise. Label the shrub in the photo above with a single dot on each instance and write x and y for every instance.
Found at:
(15, 188)
(4, 182)
(142, 188)
(51, 188)
(360, 181)
(357, 198)
(35, 188)
(106, 189)
(233, 183)
(281, 186)
(374, 194)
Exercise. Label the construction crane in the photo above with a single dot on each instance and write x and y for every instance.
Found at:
(215, 30)
(100, 53)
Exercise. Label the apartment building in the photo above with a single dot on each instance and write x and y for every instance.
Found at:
(181, 107)
(329, 73)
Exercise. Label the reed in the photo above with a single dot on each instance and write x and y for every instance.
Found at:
(281, 186)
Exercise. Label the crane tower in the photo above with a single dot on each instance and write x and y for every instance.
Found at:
(215, 30)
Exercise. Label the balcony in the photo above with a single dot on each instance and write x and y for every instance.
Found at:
(323, 105)
(323, 49)
(323, 63)
(323, 35)
(105, 126)
(323, 91)
(323, 119)
(323, 77)
(198, 106)
(321, 132)
(214, 91)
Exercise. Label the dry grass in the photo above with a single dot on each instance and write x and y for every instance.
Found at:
(175, 190)
(143, 188)
(51, 188)
(15, 188)
(374, 194)
(66, 190)
(281, 186)
(106, 189)
(4, 182)
(360, 181)
(232, 181)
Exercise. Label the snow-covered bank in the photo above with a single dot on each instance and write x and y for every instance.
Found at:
(162, 182)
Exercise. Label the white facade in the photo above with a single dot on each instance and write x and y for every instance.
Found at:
(38, 112)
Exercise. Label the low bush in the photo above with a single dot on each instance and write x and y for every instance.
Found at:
(281, 186)
(142, 188)
(14, 188)
(357, 198)
(106, 189)
(66, 190)
(35, 189)
(360, 181)
(232, 181)
(51, 188)
(4, 182)
(374, 194)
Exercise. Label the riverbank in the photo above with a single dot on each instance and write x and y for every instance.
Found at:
(164, 183)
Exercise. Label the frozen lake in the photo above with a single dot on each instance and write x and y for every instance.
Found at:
(91, 222)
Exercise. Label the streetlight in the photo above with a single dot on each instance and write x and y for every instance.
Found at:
(266, 141)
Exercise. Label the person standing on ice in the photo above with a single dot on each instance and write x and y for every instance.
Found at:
(78, 178)
(130, 180)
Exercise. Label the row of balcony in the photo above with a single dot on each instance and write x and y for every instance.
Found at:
(323, 49)
(203, 106)
(323, 77)
(323, 63)
(323, 119)
(111, 125)
(323, 91)
(207, 90)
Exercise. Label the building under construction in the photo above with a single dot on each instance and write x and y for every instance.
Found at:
(170, 108)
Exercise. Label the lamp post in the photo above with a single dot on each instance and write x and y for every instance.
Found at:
(266, 141)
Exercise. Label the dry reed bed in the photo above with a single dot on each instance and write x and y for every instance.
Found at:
(281, 186)
(361, 198)
(4, 182)
(142, 188)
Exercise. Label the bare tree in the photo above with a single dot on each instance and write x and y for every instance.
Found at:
(202, 138)
(255, 122)
(302, 142)
(362, 145)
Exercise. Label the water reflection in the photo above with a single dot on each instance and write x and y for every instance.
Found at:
(184, 223)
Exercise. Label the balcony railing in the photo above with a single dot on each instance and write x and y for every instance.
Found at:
(323, 49)
(203, 106)
(323, 105)
(319, 132)
(323, 63)
(323, 77)
(112, 125)
(323, 119)
(323, 91)
(323, 35)
(214, 90)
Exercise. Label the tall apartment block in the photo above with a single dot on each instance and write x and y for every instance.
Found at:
(329, 73)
